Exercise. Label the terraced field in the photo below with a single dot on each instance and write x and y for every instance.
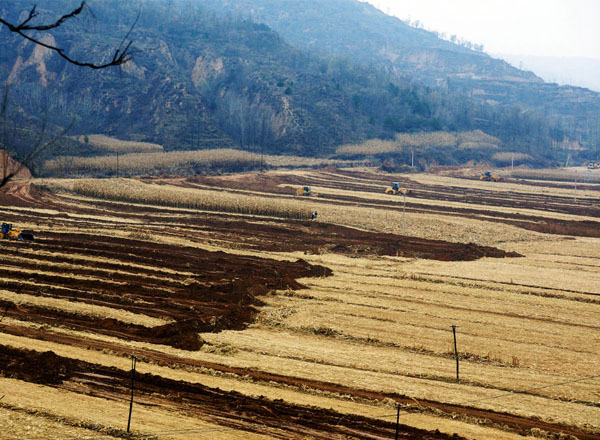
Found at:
(248, 326)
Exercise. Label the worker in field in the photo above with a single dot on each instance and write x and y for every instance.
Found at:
(313, 216)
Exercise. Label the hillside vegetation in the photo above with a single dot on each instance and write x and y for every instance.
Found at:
(203, 79)
(362, 33)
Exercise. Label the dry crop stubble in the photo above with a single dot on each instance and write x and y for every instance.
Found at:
(165, 420)
(430, 226)
(539, 351)
(217, 201)
(432, 202)
(524, 187)
(367, 296)
(114, 145)
(231, 383)
(82, 309)
(109, 414)
(155, 161)
(20, 424)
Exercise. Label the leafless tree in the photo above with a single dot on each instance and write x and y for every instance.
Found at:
(28, 30)
(122, 54)
(38, 147)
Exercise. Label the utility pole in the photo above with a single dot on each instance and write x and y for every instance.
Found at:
(454, 327)
(133, 362)
(117, 164)
(412, 158)
(512, 164)
(261, 157)
(397, 420)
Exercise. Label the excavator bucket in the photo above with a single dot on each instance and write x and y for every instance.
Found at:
(25, 236)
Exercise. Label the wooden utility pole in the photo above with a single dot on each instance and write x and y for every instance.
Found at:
(397, 420)
(512, 164)
(133, 362)
(454, 327)
(261, 157)
(117, 164)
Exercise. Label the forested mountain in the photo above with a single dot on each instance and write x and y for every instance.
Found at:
(205, 75)
(364, 34)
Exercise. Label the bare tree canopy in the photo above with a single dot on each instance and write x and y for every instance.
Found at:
(38, 147)
(27, 29)
(122, 54)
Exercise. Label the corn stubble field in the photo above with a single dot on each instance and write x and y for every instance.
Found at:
(251, 321)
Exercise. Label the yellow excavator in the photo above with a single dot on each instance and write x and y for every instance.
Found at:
(489, 177)
(396, 189)
(304, 191)
(7, 232)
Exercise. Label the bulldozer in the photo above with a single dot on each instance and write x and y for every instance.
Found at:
(396, 189)
(7, 232)
(489, 177)
(304, 191)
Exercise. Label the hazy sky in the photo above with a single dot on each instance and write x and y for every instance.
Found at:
(530, 27)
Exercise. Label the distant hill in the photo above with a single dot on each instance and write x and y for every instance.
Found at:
(574, 71)
(366, 34)
(363, 33)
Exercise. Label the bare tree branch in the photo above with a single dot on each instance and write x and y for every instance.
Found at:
(39, 146)
(122, 54)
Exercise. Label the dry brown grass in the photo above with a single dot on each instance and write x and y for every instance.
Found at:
(160, 162)
(557, 174)
(114, 145)
(177, 162)
(508, 157)
(129, 190)
(440, 139)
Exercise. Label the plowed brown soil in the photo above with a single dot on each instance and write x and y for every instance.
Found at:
(222, 294)
(229, 408)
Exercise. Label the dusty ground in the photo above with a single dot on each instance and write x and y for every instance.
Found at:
(250, 324)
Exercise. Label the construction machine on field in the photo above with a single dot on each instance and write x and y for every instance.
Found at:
(489, 177)
(304, 191)
(396, 189)
(7, 232)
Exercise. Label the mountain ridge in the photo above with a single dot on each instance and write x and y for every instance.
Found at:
(206, 78)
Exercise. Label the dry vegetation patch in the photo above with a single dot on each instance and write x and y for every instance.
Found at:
(421, 140)
(114, 145)
(218, 201)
